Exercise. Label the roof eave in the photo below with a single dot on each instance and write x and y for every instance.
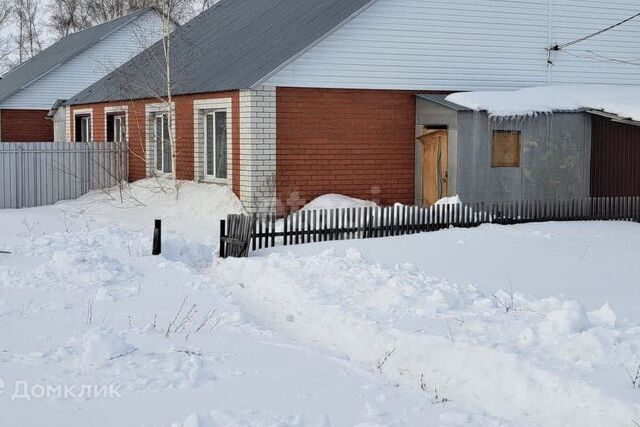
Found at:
(442, 101)
(614, 117)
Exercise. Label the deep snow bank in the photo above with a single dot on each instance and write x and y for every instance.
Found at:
(84, 305)
(192, 213)
(526, 360)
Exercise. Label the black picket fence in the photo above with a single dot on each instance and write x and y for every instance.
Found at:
(267, 230)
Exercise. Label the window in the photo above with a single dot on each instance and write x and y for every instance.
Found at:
(116, 127)
(162, 143)
(83, 128)
(505, 149)
(215, 145)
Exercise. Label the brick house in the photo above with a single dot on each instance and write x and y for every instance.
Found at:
(288, 100)
(31, 94)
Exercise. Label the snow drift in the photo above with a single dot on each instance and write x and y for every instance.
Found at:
(620, 100)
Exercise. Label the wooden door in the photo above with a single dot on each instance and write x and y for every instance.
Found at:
(434, 165)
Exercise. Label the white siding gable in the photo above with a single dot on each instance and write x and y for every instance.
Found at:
(600, 59)
(470, 45)
(90, 66)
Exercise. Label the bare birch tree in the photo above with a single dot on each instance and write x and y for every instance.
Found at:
(152, 76)
(69, 16)
(28, 17)
(6, 49)
(169, 9)
(105, 10)
(200, 6)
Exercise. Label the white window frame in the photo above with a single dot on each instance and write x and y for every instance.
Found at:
(119, 125)
(121, 111)
(151, 111)
(201, 108)
(207, 176)
(160, 116)
(83, 112)
(85, 129)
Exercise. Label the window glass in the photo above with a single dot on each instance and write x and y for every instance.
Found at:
(119, 129)
(221, 144)
(116, 128)
(166, 142)
(209, 145)
(83, 128)
(158, 133)
(87, 130)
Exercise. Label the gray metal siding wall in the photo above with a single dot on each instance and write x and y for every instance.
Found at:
(38, 174)
(554, 159)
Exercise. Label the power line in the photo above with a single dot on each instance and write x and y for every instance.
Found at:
(558, 47)
(597, 57)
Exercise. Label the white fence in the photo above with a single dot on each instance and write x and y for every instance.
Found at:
(43, 173)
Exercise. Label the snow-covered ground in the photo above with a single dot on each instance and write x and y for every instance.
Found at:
(525, 325)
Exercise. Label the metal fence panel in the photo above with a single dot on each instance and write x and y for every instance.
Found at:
(42, 173)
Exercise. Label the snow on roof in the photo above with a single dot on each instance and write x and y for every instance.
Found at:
(623, 101)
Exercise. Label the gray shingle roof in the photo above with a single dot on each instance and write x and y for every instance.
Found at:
(441, 99)
(233, 45)
(59, 53)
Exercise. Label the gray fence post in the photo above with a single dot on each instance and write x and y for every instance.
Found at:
(19, 177)
(87, 168)
(34, 175)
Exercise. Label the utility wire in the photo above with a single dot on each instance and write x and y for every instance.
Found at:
(597, 33)
(597, 57)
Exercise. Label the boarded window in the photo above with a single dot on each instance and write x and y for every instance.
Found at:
(505, 149)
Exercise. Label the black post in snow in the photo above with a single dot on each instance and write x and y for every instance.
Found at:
(157, 238)
(223, 235)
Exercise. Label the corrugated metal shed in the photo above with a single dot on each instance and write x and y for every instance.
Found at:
(60, 53)
(233, 45)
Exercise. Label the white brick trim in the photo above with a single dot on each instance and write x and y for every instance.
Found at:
(67, 132)
(258, 149)
(200, 107)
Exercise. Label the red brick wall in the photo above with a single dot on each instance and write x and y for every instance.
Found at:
(184, 117)
(25, 126)
(354, 142)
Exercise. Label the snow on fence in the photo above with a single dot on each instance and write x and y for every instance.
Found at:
(307, 226)
(43, 173)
